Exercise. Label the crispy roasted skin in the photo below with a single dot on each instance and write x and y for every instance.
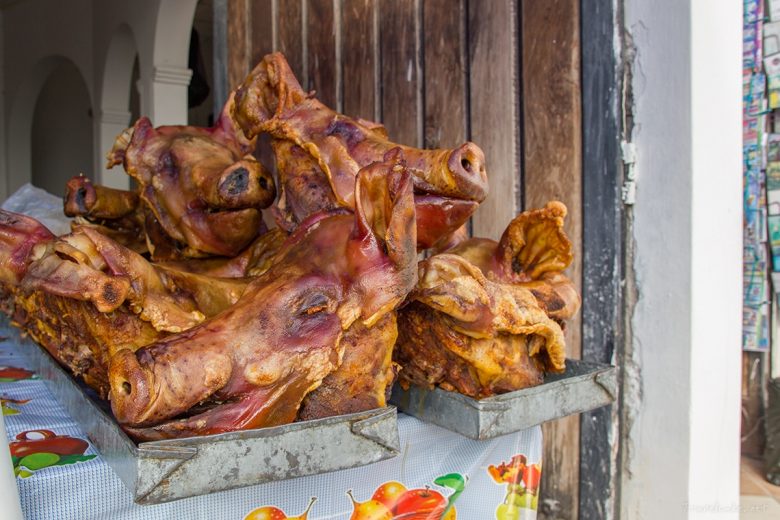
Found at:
(366, 375)
(253, 364)
(319, 152)
(115, 213)
(200, 188)
(252, 261)
(486, 316)
(84, 297)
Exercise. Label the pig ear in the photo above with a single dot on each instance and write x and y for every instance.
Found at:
(534, 243)
(269, 90)
(384, 208)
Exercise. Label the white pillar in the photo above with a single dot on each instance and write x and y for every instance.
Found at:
(113, 121)
(168, 95)
(681, 458)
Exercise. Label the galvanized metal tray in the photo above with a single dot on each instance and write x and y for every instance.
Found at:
(582, 387)
(162, 471)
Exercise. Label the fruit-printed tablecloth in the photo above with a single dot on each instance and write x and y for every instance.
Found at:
(438, 475)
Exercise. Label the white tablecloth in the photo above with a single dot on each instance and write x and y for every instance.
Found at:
(82, 486)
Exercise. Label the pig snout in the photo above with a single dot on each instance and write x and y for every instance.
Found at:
(466, 165)
(245, 184)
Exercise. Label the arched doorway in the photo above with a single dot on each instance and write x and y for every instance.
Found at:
(61, 137)
(20, 122)
(200, 104)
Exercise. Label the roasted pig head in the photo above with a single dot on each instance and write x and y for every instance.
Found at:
(83, 296)
(115, 213)
(487, 317)
(18, 235)
(533, 252)
(202, 189)
(317, 148)
(252, 365)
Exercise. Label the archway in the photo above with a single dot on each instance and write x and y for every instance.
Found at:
(61, 136)
(20, 122)
(117, 89)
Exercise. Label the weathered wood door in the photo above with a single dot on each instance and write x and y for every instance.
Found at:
(502, 73)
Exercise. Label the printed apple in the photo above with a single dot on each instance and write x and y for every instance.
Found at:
(420, 504)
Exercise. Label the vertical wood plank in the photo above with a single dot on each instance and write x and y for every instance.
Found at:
(321, 50)
(444, 56)
(261, 30)
(494, 88)
(289, 33)
(238, 41)
(400, 70)
(552, 169)
(360, 58)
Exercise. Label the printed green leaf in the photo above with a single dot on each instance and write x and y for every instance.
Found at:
(454, 481)
(72, 459)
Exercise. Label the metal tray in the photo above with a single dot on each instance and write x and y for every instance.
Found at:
(582, 387)
(162, 471)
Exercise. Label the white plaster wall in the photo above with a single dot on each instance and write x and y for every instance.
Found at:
(683, 459)
(39, 34)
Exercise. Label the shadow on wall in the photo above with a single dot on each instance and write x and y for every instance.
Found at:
(62, 143)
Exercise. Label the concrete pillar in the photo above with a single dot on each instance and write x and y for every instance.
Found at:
(168, 95)
(112, 122)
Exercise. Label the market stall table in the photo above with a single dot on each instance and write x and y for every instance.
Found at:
(60, 475)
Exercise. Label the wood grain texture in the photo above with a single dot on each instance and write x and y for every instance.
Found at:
(552, 170)
(494, 98)
(261, 30)
(360, 59)
(400, 70)
(238, 41)
(322, 66)
(444, 56)
(289, 30)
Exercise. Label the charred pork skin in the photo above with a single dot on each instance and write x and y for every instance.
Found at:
(253, 364)
(487, 317)
(117, 214)
(83, 296)
(201, 188)
(319, 152)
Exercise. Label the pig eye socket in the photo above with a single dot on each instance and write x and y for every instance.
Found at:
(312, 304)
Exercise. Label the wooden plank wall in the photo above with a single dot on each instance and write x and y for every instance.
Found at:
(552, 137)
(434, 72)
(502, 73)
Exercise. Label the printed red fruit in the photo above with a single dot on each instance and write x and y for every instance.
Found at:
(531, 476)
(420, 504)
(266, 513)
(368, 510)
(49, 443)
(389, 493)
(15, 374)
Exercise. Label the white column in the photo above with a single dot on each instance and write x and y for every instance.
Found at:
(113, 121)
(168, 95)
(681, 455)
